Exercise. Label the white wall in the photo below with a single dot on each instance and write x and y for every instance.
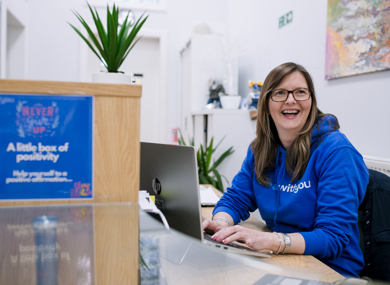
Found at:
(359, 102)
(53, 47)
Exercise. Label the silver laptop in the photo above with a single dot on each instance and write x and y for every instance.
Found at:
(170, 173)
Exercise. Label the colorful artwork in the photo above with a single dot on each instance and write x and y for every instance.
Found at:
(358, 37)
(36, 120)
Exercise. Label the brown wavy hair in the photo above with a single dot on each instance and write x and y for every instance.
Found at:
(265, 145)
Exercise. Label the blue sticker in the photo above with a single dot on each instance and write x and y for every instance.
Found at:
(46, 147)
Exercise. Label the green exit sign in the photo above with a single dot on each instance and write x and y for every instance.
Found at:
(285, 19)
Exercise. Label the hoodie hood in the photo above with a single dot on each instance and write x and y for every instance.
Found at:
(322, 128)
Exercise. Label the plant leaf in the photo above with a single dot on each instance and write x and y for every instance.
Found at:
(227, 181)
(222, 157)
(89, 31)
(122, 54)
(219, 143)
(198, 159)
(123, 32)
(180, 139)
(219, 180)
(112, 28)
(207, 174)
(101, 32)
(128, 51)
(202, 161)
(87, 42)
(209, 153)
(213, 182)
(203, 179)
(91, 35)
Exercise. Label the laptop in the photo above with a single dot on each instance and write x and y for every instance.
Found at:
(170, 173)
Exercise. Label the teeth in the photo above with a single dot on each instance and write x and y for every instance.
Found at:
(290, 112)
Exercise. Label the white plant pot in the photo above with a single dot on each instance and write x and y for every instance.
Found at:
(111, 77)
(230, 102)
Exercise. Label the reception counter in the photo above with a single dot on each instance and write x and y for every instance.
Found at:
(101, 244)
(119, 244)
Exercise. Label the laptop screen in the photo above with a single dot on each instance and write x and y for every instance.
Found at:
(170, 173)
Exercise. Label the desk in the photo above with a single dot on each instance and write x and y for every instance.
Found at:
(101, 243)
(184, 260)
(311, 265)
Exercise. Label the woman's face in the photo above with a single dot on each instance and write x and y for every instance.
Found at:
(290, 116)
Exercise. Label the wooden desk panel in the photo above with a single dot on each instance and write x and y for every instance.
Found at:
(117, 149)
(116, 244)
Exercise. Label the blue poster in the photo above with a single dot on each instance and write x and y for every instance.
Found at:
(46, 147)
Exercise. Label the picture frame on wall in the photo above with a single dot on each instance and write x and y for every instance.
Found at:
(358, 37)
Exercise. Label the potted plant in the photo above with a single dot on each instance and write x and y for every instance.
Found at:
(113, 44)
(207, 171)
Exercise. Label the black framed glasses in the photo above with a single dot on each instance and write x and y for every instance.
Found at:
(281, 95)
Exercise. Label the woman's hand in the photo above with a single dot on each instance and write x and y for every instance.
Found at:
(211, 227)
(252, 238)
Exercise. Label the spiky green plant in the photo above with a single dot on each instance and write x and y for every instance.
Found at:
(112, 45)
(207, 171)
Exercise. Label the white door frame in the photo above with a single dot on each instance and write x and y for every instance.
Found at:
(162, 37)
(3, 39)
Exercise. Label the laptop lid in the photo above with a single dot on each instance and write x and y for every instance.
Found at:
(170, 172)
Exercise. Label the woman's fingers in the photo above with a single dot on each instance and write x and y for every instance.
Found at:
(205, 223)
(224, 233)
(210, 226)
(237, 236)
(251, 238)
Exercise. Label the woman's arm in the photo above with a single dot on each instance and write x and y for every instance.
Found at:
(257, 240)
(342, 180)
(239, 199)
(223, 231)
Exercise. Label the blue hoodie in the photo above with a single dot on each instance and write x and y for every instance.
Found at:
(322, 205)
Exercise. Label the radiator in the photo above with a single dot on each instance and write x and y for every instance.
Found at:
(377, 163)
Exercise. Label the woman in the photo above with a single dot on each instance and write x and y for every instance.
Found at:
(304, 176)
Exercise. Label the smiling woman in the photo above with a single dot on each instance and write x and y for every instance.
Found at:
(304, 176)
